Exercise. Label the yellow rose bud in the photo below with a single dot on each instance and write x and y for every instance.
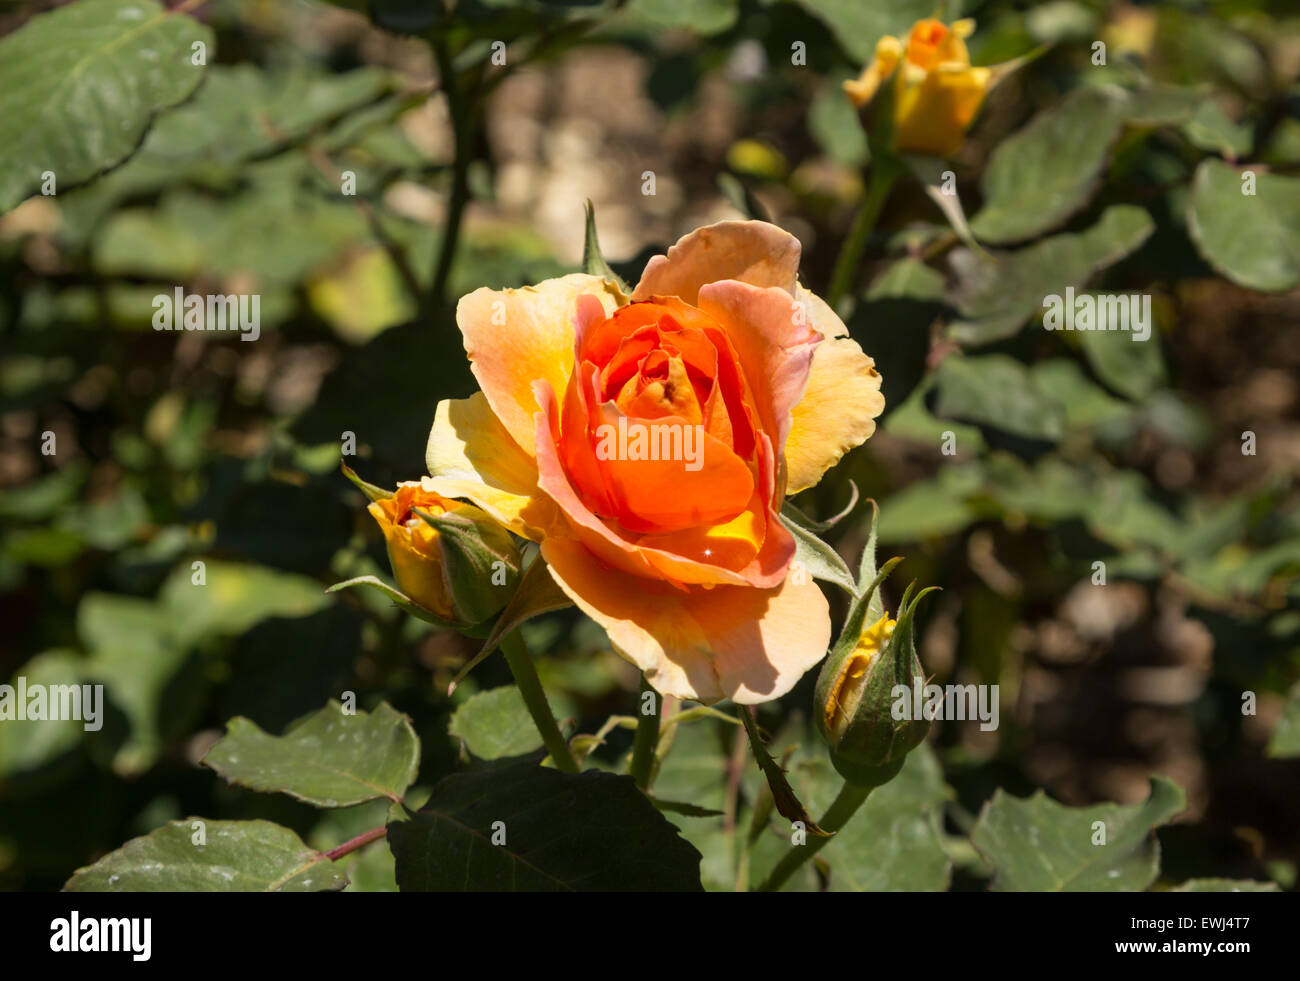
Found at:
(936, 89)
(448, 557)
(414, 549)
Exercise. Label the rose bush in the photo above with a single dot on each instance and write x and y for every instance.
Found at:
(688, 570)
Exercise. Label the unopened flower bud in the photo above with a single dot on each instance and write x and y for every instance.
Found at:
(448, 557)
(855, 693)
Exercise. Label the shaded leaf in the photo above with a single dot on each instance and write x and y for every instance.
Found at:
(329, 759)
(1047, 171)
(562, 832)
(1037, 845)
(81, 85)
(237, 856)
(495, 723)
(1254, 240)
(998, 292)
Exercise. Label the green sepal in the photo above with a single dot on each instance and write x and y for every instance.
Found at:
(471, 552)
(593, 262)
(372, 491)
(536, 593)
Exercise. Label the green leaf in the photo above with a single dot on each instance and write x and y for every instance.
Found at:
(495, 724)
(701, 17)
(25, 749)
(1212, 129)
(235, 596)
(81, 85)
(1285, 740)
(1037, 845)
(1254, 240)
(1086, 404)
(938, 506)
(895, 841)
(1047, 171)
(1131, 367)
(907, 279)
(1226, 885)
(999, 291)
(148, 672)
(237, 856)
(998, 391)
(562, 832)
(329, 759)
(593, 261)
(834, 124)
(817, 558)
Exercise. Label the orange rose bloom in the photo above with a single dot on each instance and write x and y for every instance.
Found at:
(648, 446)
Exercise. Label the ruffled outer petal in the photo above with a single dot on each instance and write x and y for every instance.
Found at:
(470, 455)
(775, 343)
(514, 337)
(754, 252)
(749, 645)
(839, 408)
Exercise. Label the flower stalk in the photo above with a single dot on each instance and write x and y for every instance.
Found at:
(530, 687)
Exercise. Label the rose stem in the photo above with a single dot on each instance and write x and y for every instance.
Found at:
(647, 737)
(845, 806)
(530, 687)
(849, 262)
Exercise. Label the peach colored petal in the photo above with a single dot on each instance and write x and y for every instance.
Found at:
(839, 408)
(470, 455)
(514, 337)
(774, 341)
(749, 645)
(754, 252)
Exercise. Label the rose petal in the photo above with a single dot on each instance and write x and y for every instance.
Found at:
(775, 349)
(839, 408)
(754, 252)
(749, 645)
(514, 337)
(470, 455)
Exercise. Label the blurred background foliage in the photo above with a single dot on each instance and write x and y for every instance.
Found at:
(1071, 448)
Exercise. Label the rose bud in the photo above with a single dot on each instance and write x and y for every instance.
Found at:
(857, 690)
(448, 557)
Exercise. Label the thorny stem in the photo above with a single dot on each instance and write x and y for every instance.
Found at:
(837, 815)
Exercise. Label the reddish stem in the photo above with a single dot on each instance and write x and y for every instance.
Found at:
(374, 834)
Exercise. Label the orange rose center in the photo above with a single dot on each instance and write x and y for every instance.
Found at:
(923, 43)
(657, 431)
